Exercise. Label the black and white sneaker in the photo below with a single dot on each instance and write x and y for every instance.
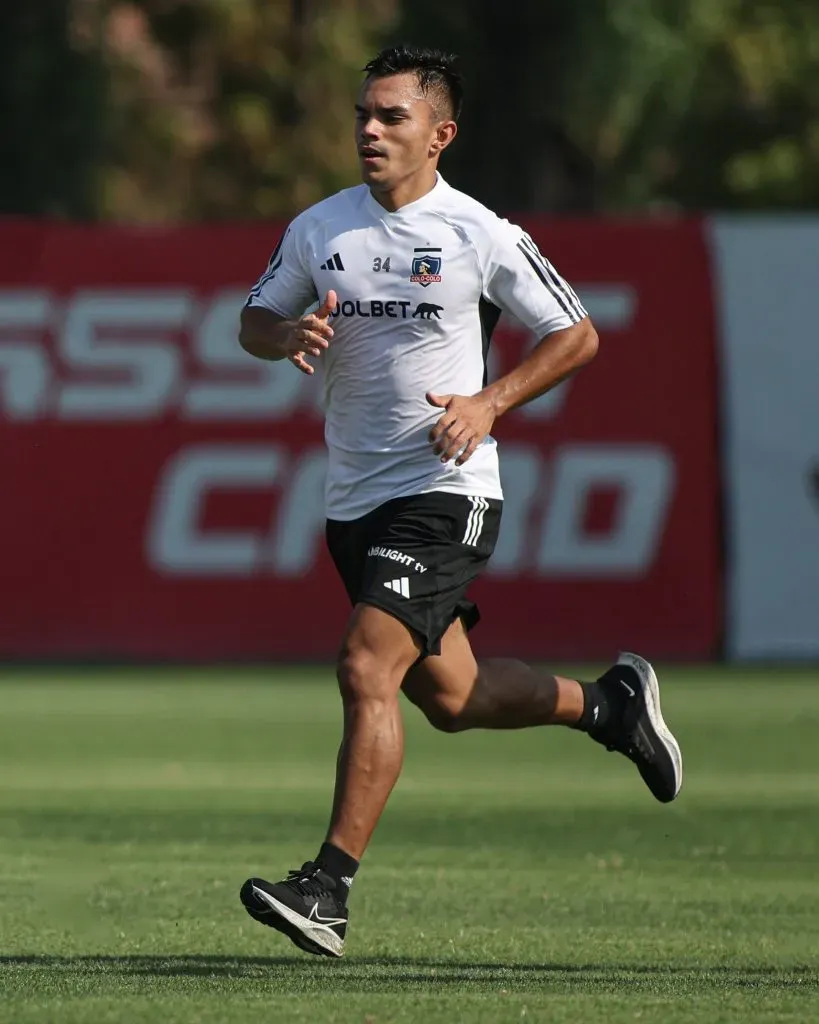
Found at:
(303, 906)
(638, 729)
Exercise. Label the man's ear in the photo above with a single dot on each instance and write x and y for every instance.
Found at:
(444, 134)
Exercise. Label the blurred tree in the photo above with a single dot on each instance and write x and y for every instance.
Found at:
(234, 108)
(751, 137)
(186, 109)
(628, 104)
(52, 101)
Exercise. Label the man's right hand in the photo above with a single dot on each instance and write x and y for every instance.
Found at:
(266, 335)
(311, 335)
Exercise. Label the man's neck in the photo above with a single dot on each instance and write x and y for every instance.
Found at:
(405, 193)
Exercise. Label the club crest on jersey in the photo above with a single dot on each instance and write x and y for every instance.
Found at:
(426, 268)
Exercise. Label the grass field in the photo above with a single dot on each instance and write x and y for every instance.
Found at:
(516, 876)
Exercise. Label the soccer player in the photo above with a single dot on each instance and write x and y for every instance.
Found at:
(411, 276)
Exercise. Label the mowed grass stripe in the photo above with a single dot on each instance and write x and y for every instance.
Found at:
(515, 876)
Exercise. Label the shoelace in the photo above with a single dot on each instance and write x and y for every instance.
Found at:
(306, 882)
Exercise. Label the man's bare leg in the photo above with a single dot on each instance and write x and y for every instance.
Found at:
(310, 906)
(376, 654)
(458, 692)
(620, 710)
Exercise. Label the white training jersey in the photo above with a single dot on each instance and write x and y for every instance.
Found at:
(419, 292)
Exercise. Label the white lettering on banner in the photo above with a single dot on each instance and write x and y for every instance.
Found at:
(544, 538)
(611, 307)
(176, 544)
(241, 387)
(644, 478)
(25, 370)
(521, 469)
(149, 361)
(124, 350)
(300, 524)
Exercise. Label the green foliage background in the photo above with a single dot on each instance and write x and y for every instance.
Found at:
(174, 110)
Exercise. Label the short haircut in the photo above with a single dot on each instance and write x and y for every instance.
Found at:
(436, 71)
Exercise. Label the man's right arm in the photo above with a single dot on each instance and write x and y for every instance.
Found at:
(262, 332)
(267, 335)
(271, 325)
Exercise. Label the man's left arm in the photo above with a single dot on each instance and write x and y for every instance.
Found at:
(469, 419)
(518, 278)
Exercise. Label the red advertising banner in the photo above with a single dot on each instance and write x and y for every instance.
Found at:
(162, 491)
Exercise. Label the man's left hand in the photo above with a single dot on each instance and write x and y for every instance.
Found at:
(463, 426)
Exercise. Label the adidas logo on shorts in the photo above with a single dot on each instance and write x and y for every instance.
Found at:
(400, 586)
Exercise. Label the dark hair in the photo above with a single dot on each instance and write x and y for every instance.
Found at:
(436, 72)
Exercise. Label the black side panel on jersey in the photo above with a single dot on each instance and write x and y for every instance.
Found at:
(489, 315)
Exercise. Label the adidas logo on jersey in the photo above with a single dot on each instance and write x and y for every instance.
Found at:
(399, 586)
(334, 263)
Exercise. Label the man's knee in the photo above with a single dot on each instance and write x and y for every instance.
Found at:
(377, 652)
(444, 713)
(363, 675)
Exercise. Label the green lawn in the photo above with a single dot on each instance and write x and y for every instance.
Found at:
(515, 876)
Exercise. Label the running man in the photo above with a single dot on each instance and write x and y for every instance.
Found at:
(411, 277)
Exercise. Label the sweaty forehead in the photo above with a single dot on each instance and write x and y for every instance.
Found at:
(395, 91)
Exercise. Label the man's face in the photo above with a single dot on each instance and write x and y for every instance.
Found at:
(397, 130)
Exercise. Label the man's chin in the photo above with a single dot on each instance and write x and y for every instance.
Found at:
(375, 176)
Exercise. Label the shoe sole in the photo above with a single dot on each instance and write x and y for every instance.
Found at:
(651, 694)
(308, 935)
(269, 918)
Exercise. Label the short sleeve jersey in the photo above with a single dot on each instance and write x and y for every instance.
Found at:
(419, 292)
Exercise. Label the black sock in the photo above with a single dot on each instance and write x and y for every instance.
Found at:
(605, 699)
(340, 866)
(596, 709)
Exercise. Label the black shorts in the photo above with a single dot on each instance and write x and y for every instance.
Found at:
(415, 558)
